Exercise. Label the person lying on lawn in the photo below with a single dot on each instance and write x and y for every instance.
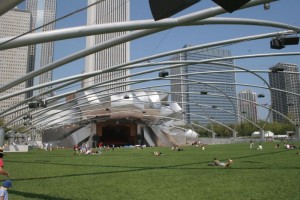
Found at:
(216, 162)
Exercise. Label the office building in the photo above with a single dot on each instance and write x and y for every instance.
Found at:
(246, 105)
(284, 78)
(107, 12)
(13, 62)
(203, 89)
(42, 12)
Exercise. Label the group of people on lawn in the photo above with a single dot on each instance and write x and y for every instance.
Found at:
(84, 149)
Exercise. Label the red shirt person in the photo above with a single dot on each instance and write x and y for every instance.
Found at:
(2, 171)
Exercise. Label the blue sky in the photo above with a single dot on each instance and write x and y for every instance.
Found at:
(285, 11)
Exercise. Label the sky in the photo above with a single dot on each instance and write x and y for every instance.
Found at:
(284, 11)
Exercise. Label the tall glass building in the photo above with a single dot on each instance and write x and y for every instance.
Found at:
(205, 94)
(43, 12)
(285, 103)
(107, 12)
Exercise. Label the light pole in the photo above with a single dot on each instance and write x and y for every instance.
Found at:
(297, 128)
(1, 137)
(212, 127)
(242, 121)
(297, 132)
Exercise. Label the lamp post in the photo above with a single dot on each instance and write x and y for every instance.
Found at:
(212, 127)
(297, 128)
(297, 132)
(242, 121)
(1, 136)
(290, 114)
(262, 135)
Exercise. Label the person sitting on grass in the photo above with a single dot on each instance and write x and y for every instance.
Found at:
(89, 151)
(3, 189)
(216, 162)
(177, 148)
(156, 153)
(259, 147)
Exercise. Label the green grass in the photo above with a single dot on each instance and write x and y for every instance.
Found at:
(137, 174)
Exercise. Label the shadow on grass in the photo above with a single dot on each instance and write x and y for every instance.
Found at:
(136, 170)
(260, 154)
(46, 162)
(248, 161)
(35, 196)
(129, 169)
(259, 168)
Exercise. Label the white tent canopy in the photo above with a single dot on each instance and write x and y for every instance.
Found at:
(267, 134)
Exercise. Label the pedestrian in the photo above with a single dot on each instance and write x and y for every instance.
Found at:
(2, 171)
(100, 146)
(3, 189)
(251, 144)
(75, 149)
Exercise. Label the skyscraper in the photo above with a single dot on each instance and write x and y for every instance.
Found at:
(107, 12)
(209, 100)
(43, 12)
(246, 108)
(285, 103)
(13, 62)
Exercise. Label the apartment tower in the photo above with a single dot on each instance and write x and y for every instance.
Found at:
(13, 62)
(43, 12)
(247, 105)
(107, 12)
(285, 77)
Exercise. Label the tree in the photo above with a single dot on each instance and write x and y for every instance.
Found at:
(2, 121)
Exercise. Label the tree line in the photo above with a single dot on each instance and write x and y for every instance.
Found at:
(243, 128)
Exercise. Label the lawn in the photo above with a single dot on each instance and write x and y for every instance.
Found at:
(128, 173)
